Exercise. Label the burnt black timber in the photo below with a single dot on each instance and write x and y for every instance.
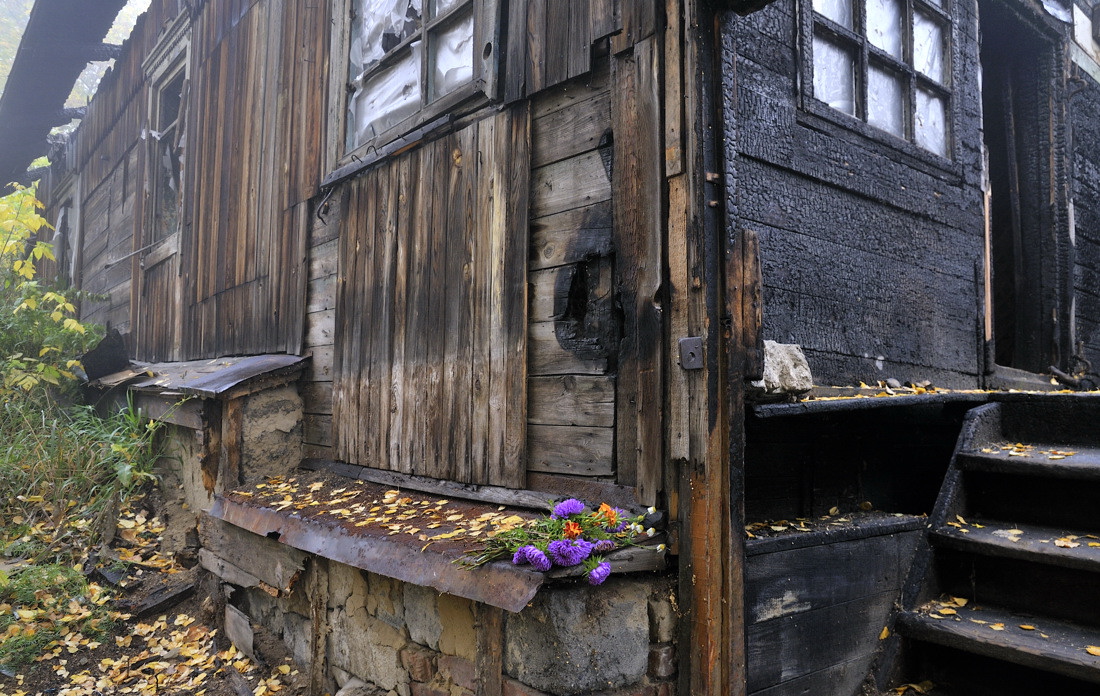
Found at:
(1083, 465)
(43, 74)
(870, 528)
(1036, 543)
(864, 404)
(1062, 651)
(777, 649)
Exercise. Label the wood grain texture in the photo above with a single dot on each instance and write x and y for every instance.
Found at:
(431, 352)
(638, 230)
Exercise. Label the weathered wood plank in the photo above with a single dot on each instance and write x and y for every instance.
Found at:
(546, 356)
(571, 183)
(571, 131)
(571, 236)
(638, 230)
(572, 400)
(576, 450)
(276, 564)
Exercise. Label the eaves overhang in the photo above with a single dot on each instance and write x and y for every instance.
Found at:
(61, 38)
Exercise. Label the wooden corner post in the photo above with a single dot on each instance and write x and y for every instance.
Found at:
(706, 276)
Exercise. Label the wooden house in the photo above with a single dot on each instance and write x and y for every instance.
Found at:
(512, 251)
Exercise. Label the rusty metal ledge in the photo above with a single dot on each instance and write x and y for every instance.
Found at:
(498, 584)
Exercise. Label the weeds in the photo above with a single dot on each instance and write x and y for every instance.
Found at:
(62, 474)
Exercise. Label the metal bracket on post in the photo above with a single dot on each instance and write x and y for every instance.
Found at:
(691, 353)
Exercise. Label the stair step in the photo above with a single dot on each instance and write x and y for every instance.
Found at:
(1028, 542)
(1034, 459)
(1053, 646)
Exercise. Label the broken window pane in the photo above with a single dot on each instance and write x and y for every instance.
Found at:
(884, 25)
(441, 6)
(840, 11)
(453, 56)
(885, 102)
(378, 27)
(930, 122)
(928, 47)
(385, 98)
(834, 76)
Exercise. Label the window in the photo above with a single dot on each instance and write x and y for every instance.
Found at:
(887, 63)
(167, 159)
(411, 60)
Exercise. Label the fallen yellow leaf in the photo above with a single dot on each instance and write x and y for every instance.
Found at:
(1027, 627)
(885, 633)
(1093, 650)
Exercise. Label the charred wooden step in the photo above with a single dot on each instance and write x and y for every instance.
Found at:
(1036, 642)
(1045, 501)
(1027, 542)
(1034, 459)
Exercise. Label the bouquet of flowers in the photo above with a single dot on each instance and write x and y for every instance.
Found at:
(572, 535)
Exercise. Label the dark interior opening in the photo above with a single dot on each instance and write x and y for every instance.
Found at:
(1017, 127)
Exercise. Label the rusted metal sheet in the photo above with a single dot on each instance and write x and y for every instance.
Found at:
(376, 548)
(204, 378)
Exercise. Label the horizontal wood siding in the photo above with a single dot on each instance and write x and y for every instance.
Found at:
(431, 308)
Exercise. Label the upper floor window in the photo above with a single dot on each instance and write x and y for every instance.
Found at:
(408, 60)
(887, 63)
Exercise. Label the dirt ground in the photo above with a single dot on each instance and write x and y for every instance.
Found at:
(163, 641)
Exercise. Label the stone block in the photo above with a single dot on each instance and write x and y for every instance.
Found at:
(419, 689)
(385, 599)
(577, 638)
(662, 661)
(418, 662)
(367, 647)
(457, 635)
(663, 617)
(422, 615)
(786, 372)
(271, 437)
(297, 635)
(458, 671)
(515, 688)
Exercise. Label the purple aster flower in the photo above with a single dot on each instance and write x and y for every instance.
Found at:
(603, 546)
(565, 552)
(565, 508)
(520, 556)
(598, 574)
(537, 559)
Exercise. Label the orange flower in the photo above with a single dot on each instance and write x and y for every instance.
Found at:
(610, 516)
(572, 530)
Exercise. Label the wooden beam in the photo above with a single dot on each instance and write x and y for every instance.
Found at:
(710, 524)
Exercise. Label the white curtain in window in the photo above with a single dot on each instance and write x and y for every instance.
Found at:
(385, 98)
(834, 76)
(453, 57)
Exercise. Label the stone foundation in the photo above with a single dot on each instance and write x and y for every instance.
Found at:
(382, 636)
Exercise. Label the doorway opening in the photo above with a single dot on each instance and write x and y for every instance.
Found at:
(1019, 80)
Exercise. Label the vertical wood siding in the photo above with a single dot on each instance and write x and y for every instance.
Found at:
(254, 147)
(430, 349)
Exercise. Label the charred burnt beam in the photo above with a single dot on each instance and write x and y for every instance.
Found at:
(744, 7)
(60, 38)
(86, 52)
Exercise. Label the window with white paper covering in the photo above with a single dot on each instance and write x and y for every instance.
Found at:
(886, 63)
(404, 57)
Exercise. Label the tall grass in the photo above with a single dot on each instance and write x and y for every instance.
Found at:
(63, 471)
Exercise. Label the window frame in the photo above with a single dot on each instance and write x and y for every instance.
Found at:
(866, 55)
(167, 63)
(479, 91)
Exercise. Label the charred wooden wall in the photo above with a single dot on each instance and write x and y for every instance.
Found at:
(869, 254)
(1084, 113)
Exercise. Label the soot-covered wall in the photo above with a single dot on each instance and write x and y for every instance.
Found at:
(1084, 110)
(871, 251)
